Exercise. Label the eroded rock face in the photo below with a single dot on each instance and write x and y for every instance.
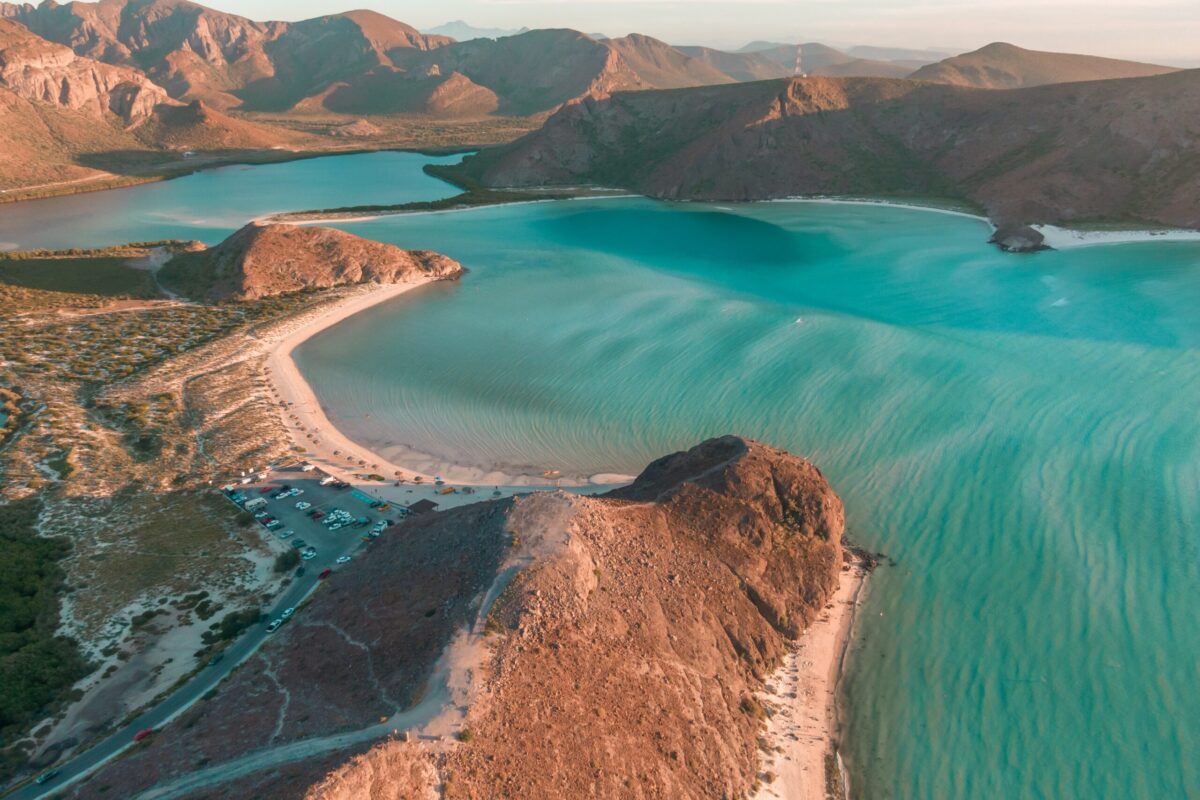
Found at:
(44, 72)
(264, 260)
(618, 642)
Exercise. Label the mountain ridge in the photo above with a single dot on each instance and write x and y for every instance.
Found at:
(1051, 154)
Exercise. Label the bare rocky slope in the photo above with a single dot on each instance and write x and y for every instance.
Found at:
(63, 115)
(223, 59)
(263, 260)
(1004, 66)
(620, 657)
(38, 70)
(1122, 150)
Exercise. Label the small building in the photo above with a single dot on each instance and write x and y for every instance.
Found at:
(422, 506)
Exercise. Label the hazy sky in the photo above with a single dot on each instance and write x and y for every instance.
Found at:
(1164, 30)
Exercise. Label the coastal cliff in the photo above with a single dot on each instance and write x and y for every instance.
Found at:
(1118, 150)
(551, 645)
(263, 260)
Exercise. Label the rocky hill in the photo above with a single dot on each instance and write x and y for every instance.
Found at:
(1124, 150)
(41, 71)
(1005, 66)
(615, 645)
(264, 260)
(223, 59)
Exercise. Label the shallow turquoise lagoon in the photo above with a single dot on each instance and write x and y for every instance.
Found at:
(209, 205)
(1018, 433)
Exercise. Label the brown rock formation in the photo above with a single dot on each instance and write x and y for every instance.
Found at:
(44, 72)
(1005, 66)
(1123, 150)
(629, 656)
(264, 260)
(628, 635)
(224, 59)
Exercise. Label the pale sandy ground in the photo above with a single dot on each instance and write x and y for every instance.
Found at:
(336, 453)
(803, 694)
(1065, 238)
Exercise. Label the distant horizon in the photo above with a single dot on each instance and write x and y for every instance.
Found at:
(1156, 31)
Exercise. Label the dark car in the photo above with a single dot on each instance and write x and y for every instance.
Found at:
(212, 662)
(298, 544)
(46, 777)
(300, 572)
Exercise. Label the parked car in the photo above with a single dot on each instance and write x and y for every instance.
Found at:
(266, 489)
(287, 613)
(325, 573)
(46, 777)
(142, 734)
(212, 662)
(260, 515)
(309, 554)
(343, 559)
(274, 626)
(303, 506)
(298, 544)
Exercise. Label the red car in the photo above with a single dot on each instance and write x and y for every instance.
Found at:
(142, 734)
(317, 515)
(266, 489)
(325, 573)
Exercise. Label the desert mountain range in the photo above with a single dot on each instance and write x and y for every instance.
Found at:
(362, 62)
(1070, 137)
(1125, 149)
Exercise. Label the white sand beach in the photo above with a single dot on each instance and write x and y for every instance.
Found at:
(1067, 238)
(803, 728)
(337, 453)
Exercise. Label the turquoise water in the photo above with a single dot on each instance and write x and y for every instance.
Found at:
(1018, 433)
(209, 205)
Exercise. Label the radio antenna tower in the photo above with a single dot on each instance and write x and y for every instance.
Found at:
(800, 62)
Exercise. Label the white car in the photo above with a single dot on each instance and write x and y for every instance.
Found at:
(335, 526)
(308, 555)
(274, 626)
(289, 533)
(287, 613)
(297, 492)
(344, 560)
(303, 506)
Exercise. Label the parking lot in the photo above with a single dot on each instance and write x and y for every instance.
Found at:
(327, 524)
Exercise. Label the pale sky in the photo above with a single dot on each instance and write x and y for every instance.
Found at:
(1152, 30)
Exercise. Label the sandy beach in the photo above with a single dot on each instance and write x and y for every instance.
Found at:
(804, 728)
(329, 448)
(1067, 238)
(802, 692)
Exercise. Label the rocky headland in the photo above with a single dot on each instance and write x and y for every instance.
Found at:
(262, 260)
(1116, 150)
(550, 645)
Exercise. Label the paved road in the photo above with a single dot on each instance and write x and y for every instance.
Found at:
(330, 545)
